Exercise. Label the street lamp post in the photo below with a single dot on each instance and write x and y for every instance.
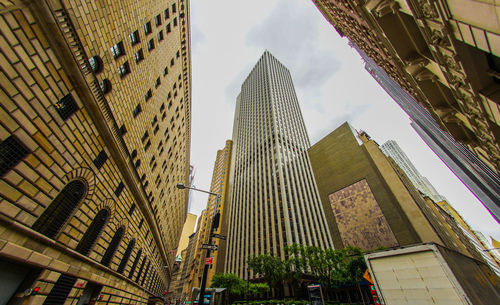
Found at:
(214, 225)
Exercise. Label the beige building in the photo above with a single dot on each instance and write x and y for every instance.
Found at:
(187, 230)
(218, 185)
(274, 200)
(94, 136)
(444, 53)
(369, 201)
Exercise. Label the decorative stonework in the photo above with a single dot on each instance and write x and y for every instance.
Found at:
(359, 218)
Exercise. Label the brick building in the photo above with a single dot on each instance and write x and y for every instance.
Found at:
(94, 136)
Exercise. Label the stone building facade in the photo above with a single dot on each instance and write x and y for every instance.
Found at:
(445, 53)
(94, 136)
(369, 201)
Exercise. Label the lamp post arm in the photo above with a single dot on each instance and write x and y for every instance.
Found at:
(203, 191)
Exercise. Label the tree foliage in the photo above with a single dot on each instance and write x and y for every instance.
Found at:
(233, 284)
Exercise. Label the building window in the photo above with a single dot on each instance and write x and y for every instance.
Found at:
(137, 110)
(105, 86)
(126, 256)
(175, 21)
(124, 69)
(174, 8)
(117, 50)
(133, 154)
(140, 224)
(147, 28)
(61, 208)
(151, 45)
(171, 62)
(177, 54)
(113, 245)
(167, 14)
(165, 71)
(66, 106)
(158, 20)
(132, 209)
(157, 82)
(139, 55)
(148, 95)
(160, 35)
(139, 273)
(134, 38)
(94, 230)
(100, 159)
(136, 260)
(168, 29)
(95, 64)
(12, 151)
(119, 189)
(144, 137)
(123, 130)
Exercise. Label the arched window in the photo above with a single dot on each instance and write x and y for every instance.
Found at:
(139, 273)
(145, 274)
(136, 260)
(126, 256)
(62, 207)
(113, 245)
(60, 290)
(93, 232)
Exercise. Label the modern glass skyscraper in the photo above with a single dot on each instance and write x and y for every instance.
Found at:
(392, 149)
(274, 199)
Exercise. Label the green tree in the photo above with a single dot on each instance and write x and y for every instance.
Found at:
(235, 286)
(271, 268)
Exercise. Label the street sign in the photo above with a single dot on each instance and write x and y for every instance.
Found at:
(219, 236)
(209, 247)
(367, 276)
(209, 260)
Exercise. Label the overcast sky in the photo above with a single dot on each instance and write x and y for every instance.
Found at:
(228, 38)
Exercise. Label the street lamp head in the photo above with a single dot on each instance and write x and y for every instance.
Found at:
(181, 186)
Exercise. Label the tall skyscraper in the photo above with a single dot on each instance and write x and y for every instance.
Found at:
(95, 101)
(444, 53)
(481, 180)
(392, 149)
(274, 199)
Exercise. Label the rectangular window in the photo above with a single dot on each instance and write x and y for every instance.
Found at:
(147, 145)
(151, 45)
(174, 8)
(167, 14)
(140, 224)
(139, 55)
(119, 189)
(12, 151)
(132, 209)
(148, 95)
(158, 20)
(144, 136)
(157, 82)
(177, 54)
(171, 62)
(100, 159)
(165, 71)
(160, 35)
(66, 106)
(134, 38)
(123, 130)
(117, 50)
(137, 110)
(147, 28)
(175, 21)
(124, 69)
(168, 28)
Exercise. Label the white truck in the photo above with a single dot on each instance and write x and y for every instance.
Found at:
(431, 274)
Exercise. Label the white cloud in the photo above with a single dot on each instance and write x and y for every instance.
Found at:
(228, 37)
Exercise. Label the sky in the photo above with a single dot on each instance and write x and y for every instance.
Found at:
(332, 86)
